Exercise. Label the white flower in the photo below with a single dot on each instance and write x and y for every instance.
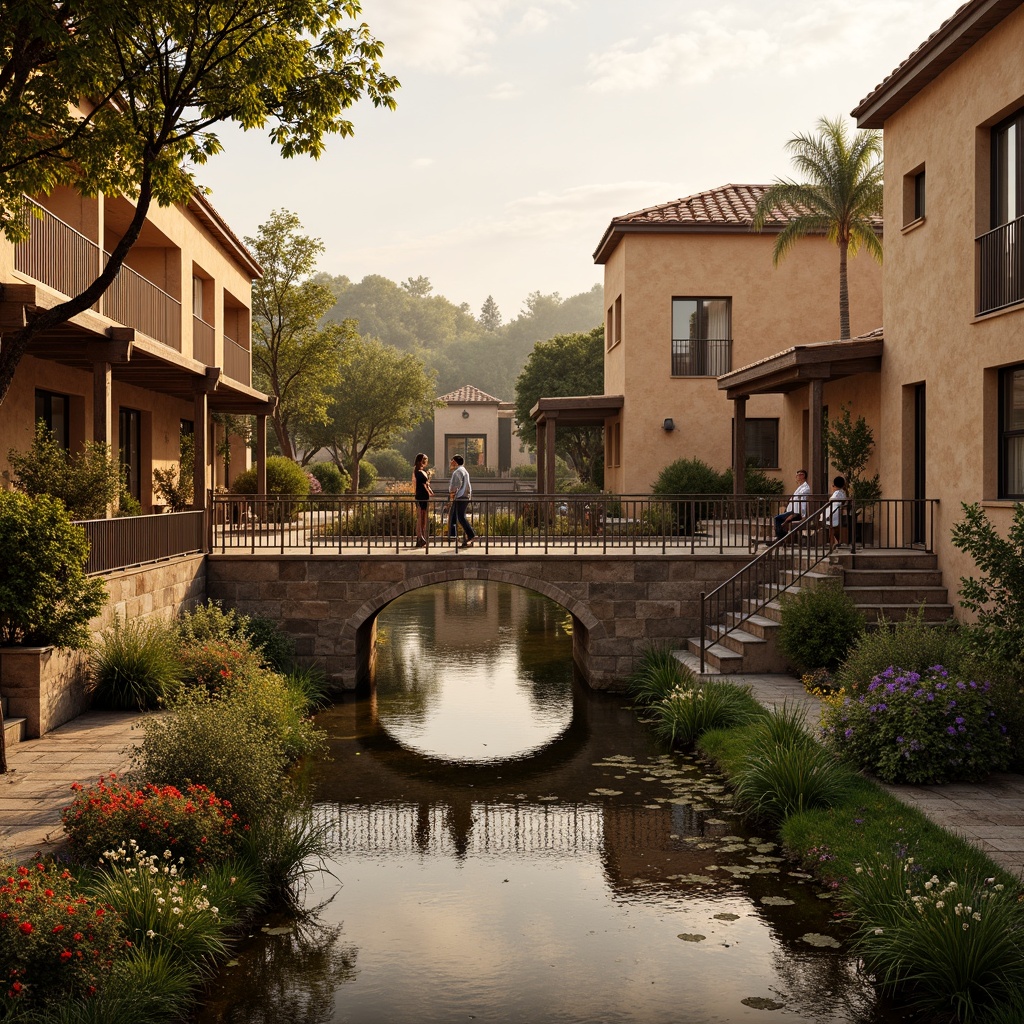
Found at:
(175, 910)
(167, 855)
(976, 916)
(151, 934)
(939, 904)
(999, 888)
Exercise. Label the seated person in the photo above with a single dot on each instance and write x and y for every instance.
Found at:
(797, 507)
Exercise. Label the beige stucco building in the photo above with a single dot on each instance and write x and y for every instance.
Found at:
(691, 293)
(167, 346)
(479, 427)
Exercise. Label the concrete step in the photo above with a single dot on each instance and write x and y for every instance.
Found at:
(760, 625)
(736, 639)
(898, 595)
(901, 558)
(692, 662)
(721, 658)
(14, 731)
(808, 579)
(892, 578)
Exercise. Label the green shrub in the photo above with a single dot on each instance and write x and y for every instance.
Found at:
(527, 472)
(308, 686)
(394, 518)
(688, 712)
(274, 646)
(390, 463)
(135, 665)
(658, 673)
(332, 480)
(175, 484)
(284, 477)
(55, 943)
(913, 644)
(127, 504)
(86, 481)
(192, 823)
(268, 703)
(919, 728)
(957, 945)
(819, 625)
(691, 476)
(368, 476)
(210, 624)
(45, 595)
(755, 481)
(218, 664)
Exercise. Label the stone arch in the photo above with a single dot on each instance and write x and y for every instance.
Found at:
(358, 632)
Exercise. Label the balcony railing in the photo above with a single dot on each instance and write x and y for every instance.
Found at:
(701, 357)
(1001, 266)
(204, 343)
(237, 364)
(62, 258)
(136, 540)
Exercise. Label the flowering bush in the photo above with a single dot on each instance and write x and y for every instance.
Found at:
(53, 942)
(919, 728)
(218, 664)
(819, 683)
(195, 824)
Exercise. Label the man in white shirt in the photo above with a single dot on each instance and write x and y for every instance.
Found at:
(459, 492)
(797, 507)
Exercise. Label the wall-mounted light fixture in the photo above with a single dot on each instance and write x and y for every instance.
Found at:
(668, 426)
(465, 414)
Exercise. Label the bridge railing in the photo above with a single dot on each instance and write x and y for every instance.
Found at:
(503, 522)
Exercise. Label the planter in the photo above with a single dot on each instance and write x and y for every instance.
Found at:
(46, 685)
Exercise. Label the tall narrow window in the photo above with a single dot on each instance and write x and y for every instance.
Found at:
(1011, 432)
(701, 337)
(1007, 167)
(1001, 249)
(52, 410)
(130, 447)
(919, 195)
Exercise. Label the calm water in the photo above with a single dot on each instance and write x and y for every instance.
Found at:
(507, 846)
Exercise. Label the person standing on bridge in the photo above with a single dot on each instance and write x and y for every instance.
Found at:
(460, 490)
(424, 492)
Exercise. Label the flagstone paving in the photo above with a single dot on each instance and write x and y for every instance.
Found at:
(37, 787)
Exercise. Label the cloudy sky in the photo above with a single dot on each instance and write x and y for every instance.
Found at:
(523, 127)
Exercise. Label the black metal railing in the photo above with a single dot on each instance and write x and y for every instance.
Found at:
(881, 524)
(701, 357)
(136, 540)
(1001, 266)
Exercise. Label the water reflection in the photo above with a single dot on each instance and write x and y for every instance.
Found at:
(593, 878)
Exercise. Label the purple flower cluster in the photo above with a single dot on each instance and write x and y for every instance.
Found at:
(920, 727)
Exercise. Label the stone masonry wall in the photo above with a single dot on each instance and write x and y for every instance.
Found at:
(328, 604)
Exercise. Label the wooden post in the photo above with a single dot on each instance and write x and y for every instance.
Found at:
(815, 449)
(261, 454)
(739, 445)
(542, 431)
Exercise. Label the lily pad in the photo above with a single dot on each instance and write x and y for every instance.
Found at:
(822, 941)
(277, 931)
(761, 1003)
(691, 937)
(727, 917)
(608, 792)
(776, 901)
(715, 821)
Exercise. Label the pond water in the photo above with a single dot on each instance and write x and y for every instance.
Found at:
(508, 846)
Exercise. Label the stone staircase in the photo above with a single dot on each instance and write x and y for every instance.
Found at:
(14, 728)
(884, 583)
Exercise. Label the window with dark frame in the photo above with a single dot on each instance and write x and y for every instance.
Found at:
(130, 450)
(762, 442)
(53, 409)
(472, 447)
(701, 336)
(1011, 432)
(1008, 170)
(919, 195)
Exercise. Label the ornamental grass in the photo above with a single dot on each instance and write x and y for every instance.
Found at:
(135, 666)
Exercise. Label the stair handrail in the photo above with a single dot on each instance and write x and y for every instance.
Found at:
(799, 551)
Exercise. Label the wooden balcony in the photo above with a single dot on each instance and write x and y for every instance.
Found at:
(237, 364)
(204, 342)
(58, 256)
(1001, 267)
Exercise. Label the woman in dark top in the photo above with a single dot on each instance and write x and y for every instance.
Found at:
(423, 495)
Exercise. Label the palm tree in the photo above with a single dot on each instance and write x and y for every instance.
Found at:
(841, 197)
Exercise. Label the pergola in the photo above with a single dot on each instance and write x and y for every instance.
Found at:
(576, 411)
(803, 366)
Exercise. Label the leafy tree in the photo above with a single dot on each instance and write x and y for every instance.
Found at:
(839, 199)
(85, 482)
(848, 446)
(158, 76)
(175, 484)
(380, 394)
(490, 315)
(293, 357)
(567, 364)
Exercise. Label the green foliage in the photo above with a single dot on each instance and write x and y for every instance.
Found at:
(367, 477)
(308, 687)
(755, 481)
(274, 646)
(685, 477)
(332, 480)
(54, 942)
(997, 596)
(127, 504)
(957, 943)
(848, 447)
(86, 482)
(691, 709)
(391, 463)
(193, 824)
(567, 364)
(45, 595)
(525, 472)
(175, 485)
(656, 675)
(284, 477)
(920, 728)
(211, 638)
(135, 664)
(819, 626)
(913, 643)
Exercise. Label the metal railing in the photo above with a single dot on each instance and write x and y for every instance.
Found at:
(237, 364)
(136, 540)
(62, 258)
(204, 341)
(878, 525)
(1001, 266)
(701, 357)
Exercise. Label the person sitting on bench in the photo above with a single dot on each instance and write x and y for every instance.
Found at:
(797, 507)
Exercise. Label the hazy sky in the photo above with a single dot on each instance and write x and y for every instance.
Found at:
(523, 127)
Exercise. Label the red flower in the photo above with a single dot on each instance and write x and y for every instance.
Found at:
(65, 956)
(58, 928)
(16, 987)
(25, 927)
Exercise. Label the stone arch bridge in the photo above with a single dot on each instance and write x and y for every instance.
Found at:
(329, 603)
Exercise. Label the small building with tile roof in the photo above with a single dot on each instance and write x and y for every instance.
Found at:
(691, 294)
(479, 427)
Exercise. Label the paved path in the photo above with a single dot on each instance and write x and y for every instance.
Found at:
(32, 794)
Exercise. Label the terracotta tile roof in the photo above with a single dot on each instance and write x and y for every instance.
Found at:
(467, 394)
(949, 41)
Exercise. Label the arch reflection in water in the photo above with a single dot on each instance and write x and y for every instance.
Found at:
(458, 672)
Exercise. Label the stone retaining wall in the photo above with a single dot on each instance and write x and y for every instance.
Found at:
(620, 603)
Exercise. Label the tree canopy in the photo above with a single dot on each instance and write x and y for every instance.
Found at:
(158, 76)
(839, 198)
(565, 365)
(294, 358)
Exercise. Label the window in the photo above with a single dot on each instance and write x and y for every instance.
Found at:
(1001, 249)
(197, 297)
(130, 448)
(472, 447)
(913, 196)
(701, 337)
(1011, 432)
(613, 325)
(53, 410)
(762, 443)
(1007, 167)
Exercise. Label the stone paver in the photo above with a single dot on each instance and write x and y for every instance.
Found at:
(990, 814)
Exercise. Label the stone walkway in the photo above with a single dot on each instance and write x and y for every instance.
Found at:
(32, 794)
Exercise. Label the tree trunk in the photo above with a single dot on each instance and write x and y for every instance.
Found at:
(844, 292)
(283, 440)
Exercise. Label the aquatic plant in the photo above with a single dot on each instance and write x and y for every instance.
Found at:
(689, 711)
